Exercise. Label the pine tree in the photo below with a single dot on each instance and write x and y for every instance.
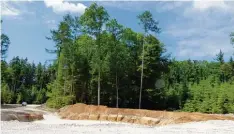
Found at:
(149, 24)
(93, 21)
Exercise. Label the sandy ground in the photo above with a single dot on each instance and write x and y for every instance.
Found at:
(52, 124)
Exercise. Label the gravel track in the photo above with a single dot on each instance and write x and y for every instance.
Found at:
(97, 127)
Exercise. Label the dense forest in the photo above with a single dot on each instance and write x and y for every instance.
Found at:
(101, 62)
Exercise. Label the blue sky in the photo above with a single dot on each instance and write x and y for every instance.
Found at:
(192, 29)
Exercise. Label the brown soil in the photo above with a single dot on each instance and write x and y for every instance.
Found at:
(146, 117)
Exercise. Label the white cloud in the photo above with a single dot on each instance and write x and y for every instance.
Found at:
(203, 29)
(60, 6)
(125, 5)
(167, 6)
(15, 9)
(52, 24)
(206, 4)
(132, 6)
(9, 10)
(50, 21)
(207, 46)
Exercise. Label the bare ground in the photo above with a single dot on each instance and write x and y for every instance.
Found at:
(145, 117)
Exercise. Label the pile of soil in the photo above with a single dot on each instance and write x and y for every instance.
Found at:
(139, 116)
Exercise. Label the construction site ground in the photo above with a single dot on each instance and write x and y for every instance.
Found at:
(137, 116)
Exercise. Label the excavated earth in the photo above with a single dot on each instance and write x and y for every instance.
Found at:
(144, 117)
(15, 112)
(20, 116)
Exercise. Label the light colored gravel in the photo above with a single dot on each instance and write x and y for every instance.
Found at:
(53, 125)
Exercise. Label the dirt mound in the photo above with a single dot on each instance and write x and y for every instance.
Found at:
(146, 117)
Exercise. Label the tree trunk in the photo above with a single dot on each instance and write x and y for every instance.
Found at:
(14, 87)
(142, 73)
(99, 66)
(40, 86)
(72, 82)
(99, 86)
(117, 90)
(64, 88)
(116, 77)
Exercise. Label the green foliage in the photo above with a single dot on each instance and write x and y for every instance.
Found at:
(5, 42)
(92, 22)
(19, 98)
(232, 38)
(59, 102)
(93, 19)
(57, 98)
(7, 95)
(149, 24)
(23, 80)
(208, 99)
(219, 57)
(39, 96)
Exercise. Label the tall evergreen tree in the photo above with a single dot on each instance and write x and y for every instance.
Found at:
(116, 31)
(93, 21)
(220, 57)
(149, 24)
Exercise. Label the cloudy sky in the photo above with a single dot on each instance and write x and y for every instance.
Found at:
(191, 29)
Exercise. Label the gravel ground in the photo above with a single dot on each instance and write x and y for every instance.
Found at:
(53, 125)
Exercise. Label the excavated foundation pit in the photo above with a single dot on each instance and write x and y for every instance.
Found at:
(20, 116)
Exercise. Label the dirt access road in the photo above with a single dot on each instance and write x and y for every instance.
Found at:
(18, 107)
(52, 124)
